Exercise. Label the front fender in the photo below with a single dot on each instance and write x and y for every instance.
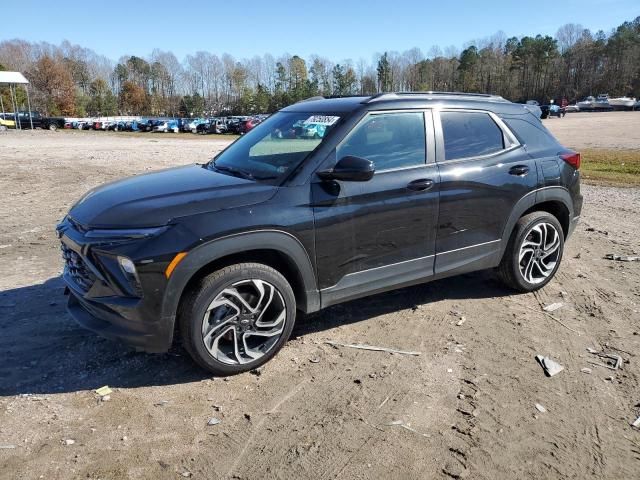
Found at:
(206, 253)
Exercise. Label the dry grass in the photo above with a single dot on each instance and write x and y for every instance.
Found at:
(618, 167)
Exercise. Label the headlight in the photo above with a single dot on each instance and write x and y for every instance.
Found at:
(126, 233)
(131, 274)
(128, 267)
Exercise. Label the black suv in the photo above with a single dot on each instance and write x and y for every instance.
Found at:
(326, 201)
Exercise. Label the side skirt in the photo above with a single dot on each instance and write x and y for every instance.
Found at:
(412, 272)
(376, 280)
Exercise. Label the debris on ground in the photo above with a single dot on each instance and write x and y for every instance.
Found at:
(314, 360)
(400, 423)
(214, 421)
(591, 229)
(102, 391)
(161, 403)
(7, 447)
(460, 322)
(549, 366)
(372, 348)
(621, 258)
(69, 441)
(613, 361)
(636, 424)
(553, 307)
(551, 316)
(585, 370)
(257, 371)
(540, 408)
(105, 398)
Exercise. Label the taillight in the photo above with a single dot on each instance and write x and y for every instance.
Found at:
(572, 158)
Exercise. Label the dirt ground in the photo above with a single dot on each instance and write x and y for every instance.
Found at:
(616, 130)
(464, 408)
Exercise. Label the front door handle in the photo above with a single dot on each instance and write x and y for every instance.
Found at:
(519, 170)
(420, 185)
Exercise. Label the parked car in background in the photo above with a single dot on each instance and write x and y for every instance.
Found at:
(191, 125)
(552, 110)
(202, 128)
(166, 126)
(234, 125)
(248, 125)
(217, 126)
(309, 130)
(146, 125)
(38, 120)
(6, 124)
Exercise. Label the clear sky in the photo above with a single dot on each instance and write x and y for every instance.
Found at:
(335, 29)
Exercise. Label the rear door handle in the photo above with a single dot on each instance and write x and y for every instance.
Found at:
(520, 170)
(421, 184)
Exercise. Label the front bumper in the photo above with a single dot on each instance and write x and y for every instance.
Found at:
(101, 298)
(104, 317)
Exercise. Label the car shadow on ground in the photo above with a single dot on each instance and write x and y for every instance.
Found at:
(44, 351)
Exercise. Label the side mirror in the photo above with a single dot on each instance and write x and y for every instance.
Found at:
(349, 169)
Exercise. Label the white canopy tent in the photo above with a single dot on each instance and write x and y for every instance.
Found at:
(13, 79)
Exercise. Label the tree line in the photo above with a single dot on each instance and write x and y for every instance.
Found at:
(71, 80)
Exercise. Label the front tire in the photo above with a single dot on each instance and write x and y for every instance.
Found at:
(237, 318)
(534, 252)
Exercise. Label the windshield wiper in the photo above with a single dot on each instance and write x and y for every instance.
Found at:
(234, 171)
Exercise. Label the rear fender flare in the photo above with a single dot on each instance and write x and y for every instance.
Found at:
(531, 199)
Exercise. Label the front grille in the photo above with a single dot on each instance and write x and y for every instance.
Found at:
(77, 269)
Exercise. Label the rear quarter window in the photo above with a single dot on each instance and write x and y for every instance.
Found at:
(470, 134)
(529, 134)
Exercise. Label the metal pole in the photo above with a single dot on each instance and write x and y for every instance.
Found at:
(29, 103)
(2, 105)
(14, 101)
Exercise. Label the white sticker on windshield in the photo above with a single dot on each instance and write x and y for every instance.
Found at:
(321, 120)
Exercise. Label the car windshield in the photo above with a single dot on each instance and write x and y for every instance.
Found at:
(276, 146)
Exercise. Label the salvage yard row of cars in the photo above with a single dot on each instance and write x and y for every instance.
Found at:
(231, 124)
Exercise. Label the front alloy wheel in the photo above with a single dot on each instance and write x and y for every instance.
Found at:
(244, 322)
(237, 318)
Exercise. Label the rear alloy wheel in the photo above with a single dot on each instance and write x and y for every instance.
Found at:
(539, 253)
(238, 319)
(534, 252)
(53, 127)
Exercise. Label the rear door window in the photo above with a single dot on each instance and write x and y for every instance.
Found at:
(470, 134)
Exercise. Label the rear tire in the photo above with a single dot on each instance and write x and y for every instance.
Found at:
(53, 127)
(237, 318)
(533, 254)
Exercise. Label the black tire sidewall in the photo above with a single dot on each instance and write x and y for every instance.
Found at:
(206, 295)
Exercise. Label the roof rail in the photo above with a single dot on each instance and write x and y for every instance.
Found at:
(328, 97)
(311, 99)
(395, 95)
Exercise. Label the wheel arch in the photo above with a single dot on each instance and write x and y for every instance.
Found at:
(278, 249)
(553, 200)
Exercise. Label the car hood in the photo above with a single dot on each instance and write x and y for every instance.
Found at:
(154, 199)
